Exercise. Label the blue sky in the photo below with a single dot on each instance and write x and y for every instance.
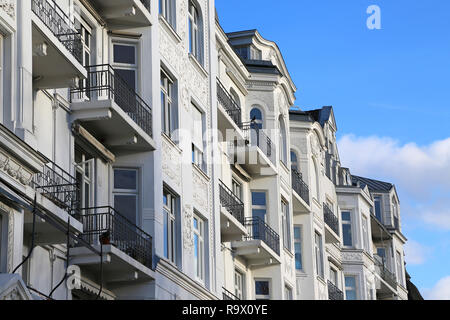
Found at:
(390, 92)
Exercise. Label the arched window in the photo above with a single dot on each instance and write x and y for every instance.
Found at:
(282, 141)
(294, 162)
(195, 31)
(256, 118)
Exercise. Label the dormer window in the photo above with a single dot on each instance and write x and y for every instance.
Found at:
(249, 52)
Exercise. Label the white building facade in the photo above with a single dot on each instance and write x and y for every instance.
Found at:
(147, 154)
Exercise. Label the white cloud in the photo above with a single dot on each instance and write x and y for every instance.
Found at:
(415, 253)
(441, 291)
(421, 172)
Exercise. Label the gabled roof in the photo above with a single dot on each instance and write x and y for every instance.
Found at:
(373, 185)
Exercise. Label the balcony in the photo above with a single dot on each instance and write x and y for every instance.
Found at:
(228, 296)
(124, 14)
(112, 111)
(57, 195)
(261, 245)
(232, 215)
(385, 274)
(256, 153)
(334, 293)
(56, 42)
(230, 114)
(332, 225)
(127, 249)
(301, 194)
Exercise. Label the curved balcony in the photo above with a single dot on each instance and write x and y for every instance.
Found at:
(232, 215)
(334, 293)
(332, 223)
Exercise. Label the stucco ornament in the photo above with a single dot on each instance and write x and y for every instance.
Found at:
(9, 7)
(188, 233)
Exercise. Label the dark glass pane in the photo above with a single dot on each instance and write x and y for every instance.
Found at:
(125, 179)
(124, 54)
(346, 216)
(262, 288)
(259, 198)
(126, 206)
(129, 76)
(347, 231)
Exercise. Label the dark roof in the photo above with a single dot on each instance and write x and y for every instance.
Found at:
(373, 185)
(261, 66)
(320, 115)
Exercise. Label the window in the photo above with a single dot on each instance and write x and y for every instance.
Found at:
(86, 32)
(395, 213)
(381, 252)
(298, 247)
(237, 188)
(259, 205)
(125, 63)
(282, 141)
(319, 255)
(400, 274)
(125, 193)
(294, 161)
(378, 212)
(169, 111)
(170, 219)
(286, 225)
(369, 290)
(197, 138)
(334, 276)
(256, 118)
(365, 231)
(315, 181)
(287, 293)
(238, 284)
(199, 248)
(235, 97)
(167, 10)
(350, 288)
(262, 290)
(195, 38)
(84, 174)
(347, 228)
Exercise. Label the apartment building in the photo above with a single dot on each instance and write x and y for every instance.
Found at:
(147, 154)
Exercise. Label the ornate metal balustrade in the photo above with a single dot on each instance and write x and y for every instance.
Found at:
(228, 103)
(146, 4)
(231, 202)
(256, 137)
(382, 269)
(104, 82)
(334, 293)
(227, 295)
(60, 25)
(330, 218)
(299, 185)
(107, 226)
(57, 185)
(259, 230)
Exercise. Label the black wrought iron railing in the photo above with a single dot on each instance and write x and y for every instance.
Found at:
(57, 185)
(299, 185)
(231, 202)
(330, 218)
(256, 137)
(382, 269)
(104, 225)
(228, 103)
(146, 4)
(227, 295)
(257, 229)
(334, 293)
(103, 82)
(60, 25)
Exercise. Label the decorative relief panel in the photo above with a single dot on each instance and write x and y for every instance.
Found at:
(171, 163)
(9, 7)
(14, 169)
(200, 194)
(352, 256)
(188, 233)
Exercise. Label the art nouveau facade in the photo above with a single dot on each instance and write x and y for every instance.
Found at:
(147, 154)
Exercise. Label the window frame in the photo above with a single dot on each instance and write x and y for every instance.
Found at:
(350, 223)
(300, 242)
(347, 288)
(318, 250)
(168, 11)
(259, 207)
(128, 192)
(200, 233)
(170, 230)
(286, 223)
(288, 292)
(198, 156)
(127, 66)
(169, 110)
(239, 277)
(260, 296)
(365, 232)
(375, 200)
(195, 31)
